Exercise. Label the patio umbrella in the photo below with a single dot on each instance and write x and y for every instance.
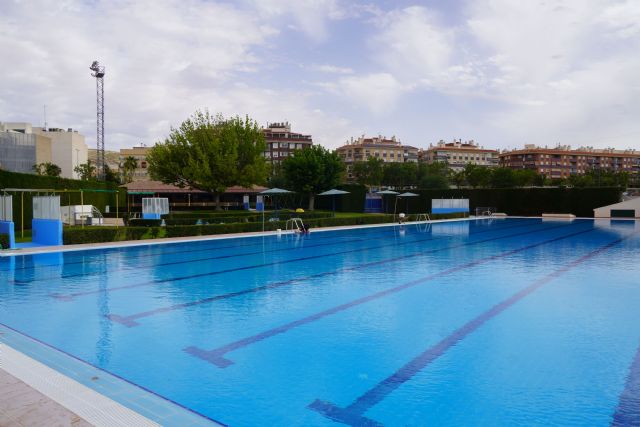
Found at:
(272, 192)
(333, 193)
(388, 193)
(407, 194)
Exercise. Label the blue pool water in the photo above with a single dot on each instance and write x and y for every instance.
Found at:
(487, 322)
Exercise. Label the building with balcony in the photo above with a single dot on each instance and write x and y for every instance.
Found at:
(458, 154)
(562, 161)
(281, 142)
(140, 154)
(386, 149)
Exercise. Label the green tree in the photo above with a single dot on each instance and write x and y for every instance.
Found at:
(129, 167)
(312, 170)
(111, 176)
(369, 173)
(524, 177)
(211, 154)
(502, 178)
(477, 176)
(433, 176)
(86, 171)
(459, 178)
(47, 169)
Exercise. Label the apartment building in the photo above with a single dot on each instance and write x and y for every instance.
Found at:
(562, 161)
(22, 146)
(282, 142)
(458, 154)
(386, 149)
(140, 154)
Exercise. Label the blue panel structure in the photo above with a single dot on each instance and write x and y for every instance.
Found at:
(47, 232)
(7, 227)
(150, 216)
(449, 210)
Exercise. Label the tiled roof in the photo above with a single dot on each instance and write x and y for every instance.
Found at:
(160, 187)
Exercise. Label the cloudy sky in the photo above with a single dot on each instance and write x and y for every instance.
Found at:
(501, 72)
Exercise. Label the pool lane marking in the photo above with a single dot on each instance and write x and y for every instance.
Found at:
(130, 321)
(205, 243)
(217, 356)
(109, 270)
(289, 248)
(628, 409)
(68, 276)
(353, 414)
(113, 374)
(70, 296)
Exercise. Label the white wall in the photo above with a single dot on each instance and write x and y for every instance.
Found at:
(68, 150)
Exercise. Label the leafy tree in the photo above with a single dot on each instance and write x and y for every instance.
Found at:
(477, 176)
(47, 169)
(369, 173)
(433, 176)
(459, 178)
(129, 167)
(86, 171)
(211, 154)
(502, 178)
(110, 175)
(312, 170)
(524, 177)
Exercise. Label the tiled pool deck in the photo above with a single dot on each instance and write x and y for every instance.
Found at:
(21, 405)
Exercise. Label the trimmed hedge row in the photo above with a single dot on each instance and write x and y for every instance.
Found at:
(524, 201)
(76, 235)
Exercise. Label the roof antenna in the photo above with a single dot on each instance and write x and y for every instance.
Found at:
(45, 117)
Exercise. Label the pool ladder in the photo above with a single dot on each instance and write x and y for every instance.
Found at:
(295, 223)
(423, 217)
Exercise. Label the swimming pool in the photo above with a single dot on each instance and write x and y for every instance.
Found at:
(481, 322)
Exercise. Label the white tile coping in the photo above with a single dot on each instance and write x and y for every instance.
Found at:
(90, 405)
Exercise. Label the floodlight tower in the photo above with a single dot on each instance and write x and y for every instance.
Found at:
(98, 73)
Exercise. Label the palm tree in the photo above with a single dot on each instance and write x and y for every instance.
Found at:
(128, 168)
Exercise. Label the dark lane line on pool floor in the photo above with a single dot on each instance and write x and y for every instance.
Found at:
(354, 413)
(130, 320)
(217, 355)
(289, 248)
(628, 409)
(70, 296)
(205, 248)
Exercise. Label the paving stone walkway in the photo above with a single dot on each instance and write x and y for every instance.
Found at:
(22, 406)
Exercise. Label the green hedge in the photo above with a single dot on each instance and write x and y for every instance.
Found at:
(4, 241)
(138, 222)
(22, 180)
(352, 202)
(73, 235)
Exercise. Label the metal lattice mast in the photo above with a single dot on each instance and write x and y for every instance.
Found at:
(98, 73)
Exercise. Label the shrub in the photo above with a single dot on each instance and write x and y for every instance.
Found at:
(4, 241)
(138, 222)
(77, 235)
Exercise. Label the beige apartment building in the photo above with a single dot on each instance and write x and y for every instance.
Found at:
(380, 147)
(458, 154)
(562, 161)
(140, 153)
(22, 146)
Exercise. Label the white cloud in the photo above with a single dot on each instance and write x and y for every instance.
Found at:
(413, 45)
(333, 69)
(377, 93)
(310, 17)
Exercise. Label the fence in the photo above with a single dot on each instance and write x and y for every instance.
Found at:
(154, 207)
(439, 206)
(6, 208)
(46, 207)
